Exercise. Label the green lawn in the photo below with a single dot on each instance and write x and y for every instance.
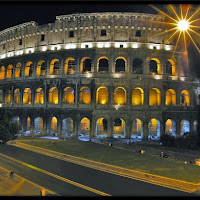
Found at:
(123, 158)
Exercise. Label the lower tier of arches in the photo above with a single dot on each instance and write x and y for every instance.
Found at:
(74, 123)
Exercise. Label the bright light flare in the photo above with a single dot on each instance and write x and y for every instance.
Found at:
(183, 25)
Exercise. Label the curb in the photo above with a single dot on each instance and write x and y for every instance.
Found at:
(146, 177)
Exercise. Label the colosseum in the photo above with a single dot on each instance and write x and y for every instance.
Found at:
(96, 75)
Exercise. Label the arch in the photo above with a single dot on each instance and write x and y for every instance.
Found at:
(8, 96)
(154, 97)
(102, 95)
(170, 127)
(85, 95)
(41, 68)
(85, 126)
(154, 129)
(68, 95)
(103, 64)
(137, 96)
(120, 64)
(155, 66)
(120, 96)
(9, 71)
(101, 127)
(2, 72)
(55, 67)
(29, 68)
(38, 125)
(85, 65)
(119, 129)
(184, 127)
(137, 66)
(195, 125)
(18, 70)
(185, 98)
(170, 67)
(137, 129)
(27, 96)
(17, 96)
(53, 95)
(170, 98)
(70, 66)
(67, 127)
(39, 96)
(54, 124)
(16, 119)
(28, 124)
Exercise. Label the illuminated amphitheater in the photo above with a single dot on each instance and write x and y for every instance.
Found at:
(97, 75)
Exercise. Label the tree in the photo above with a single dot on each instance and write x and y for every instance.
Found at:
(8, 129)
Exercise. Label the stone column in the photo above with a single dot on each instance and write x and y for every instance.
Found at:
(32, 127)
(44, 126)
(178, 131)
(145, 130)
(59, 127)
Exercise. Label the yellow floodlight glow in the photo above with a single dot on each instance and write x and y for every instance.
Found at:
(183, 25)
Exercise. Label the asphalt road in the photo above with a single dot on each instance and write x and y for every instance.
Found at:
(101, 181)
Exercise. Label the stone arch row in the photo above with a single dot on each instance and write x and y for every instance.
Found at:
(68, 95)
(101, 127)
(55, 67)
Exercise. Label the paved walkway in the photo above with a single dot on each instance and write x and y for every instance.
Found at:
(150, 178)
(17, 186)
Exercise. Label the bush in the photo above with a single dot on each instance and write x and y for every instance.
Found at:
(189, 140)
(8, 129)
(167, 140)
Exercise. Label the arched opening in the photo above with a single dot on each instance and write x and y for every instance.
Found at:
(55, 67)
(170, 127)
(2, 72)
(67, 127)
(29, 69)
(120, 65)
(155, 66)
(17, 96)
(85, 126)
(170, 97)
(8, 97)
(101, 127)
(85, 66)
(53, 95)
(70, 66)
(184, 126)
(85, 95)
(41, 68)
(27, 96)
(137, 129)
(154, 129)
(195, 125)
(39, 96)
(185, 98)
(16, 120)
(38, 125)
(28, 124)
(102, 65)
(137, 96)
(68, 95)
(18, 70)
(119, 129)
(9, 71)
(120, 96)
(102, 96)
(137, 66)
(154, 97)
(54, 123)
(170, 67)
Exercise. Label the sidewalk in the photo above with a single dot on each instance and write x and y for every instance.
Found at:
(18, 186)
(146, 177)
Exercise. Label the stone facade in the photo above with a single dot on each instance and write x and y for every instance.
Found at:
(145, 92)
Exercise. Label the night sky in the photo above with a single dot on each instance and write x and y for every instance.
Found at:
(43, 12)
